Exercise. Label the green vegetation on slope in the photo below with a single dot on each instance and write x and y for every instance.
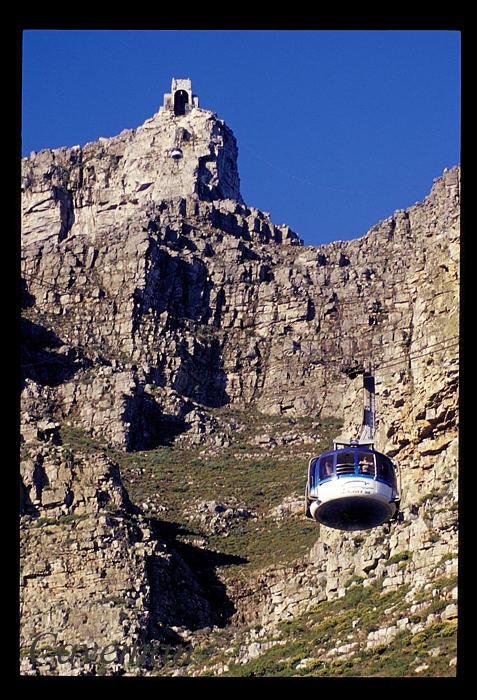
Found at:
(332, 639)
(258, 476)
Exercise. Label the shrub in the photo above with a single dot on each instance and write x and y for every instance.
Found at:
(399, 557)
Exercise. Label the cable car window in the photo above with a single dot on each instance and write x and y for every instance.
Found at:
(345, 463)
(385, 471)
(314, 472)
(366, 463)
(326, 467)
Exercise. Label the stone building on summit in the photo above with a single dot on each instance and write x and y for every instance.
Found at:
(180, 99)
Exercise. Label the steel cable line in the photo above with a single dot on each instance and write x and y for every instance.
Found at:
(405, 356)
(411, 358)
(376, 367)
(340, 337)
(341, 303)
(314, 185)
(396, 361)
(55, 287)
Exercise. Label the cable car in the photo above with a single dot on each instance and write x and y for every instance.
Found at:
(176, 153)
(352, 487)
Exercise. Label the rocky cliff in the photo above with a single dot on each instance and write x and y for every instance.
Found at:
(153, 297)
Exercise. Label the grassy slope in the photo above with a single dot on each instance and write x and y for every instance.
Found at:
(259, 474)
(259, 477)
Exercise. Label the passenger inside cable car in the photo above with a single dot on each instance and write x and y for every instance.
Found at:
(326, 468)
(385, 471)
(321, 469)
(350, 462)
(366, 463)
(336, 497)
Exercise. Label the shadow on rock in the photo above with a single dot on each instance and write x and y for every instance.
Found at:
(185, 589)
(45, 358)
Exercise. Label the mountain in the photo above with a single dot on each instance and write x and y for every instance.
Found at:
(182, 358)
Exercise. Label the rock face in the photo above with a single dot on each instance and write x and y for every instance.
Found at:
(92, 571)
(82, 191)
(190, 303)
(152, 293)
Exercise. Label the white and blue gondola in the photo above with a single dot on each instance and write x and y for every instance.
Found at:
(352, 487)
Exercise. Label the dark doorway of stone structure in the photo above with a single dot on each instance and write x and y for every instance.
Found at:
(181, 98)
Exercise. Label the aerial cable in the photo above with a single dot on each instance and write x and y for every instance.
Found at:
(374, 368)
(379, 331)
(309, 183)
(338, 338)
(397, 360)
(347, 301)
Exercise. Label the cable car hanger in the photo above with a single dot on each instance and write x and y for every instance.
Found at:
(353, 486)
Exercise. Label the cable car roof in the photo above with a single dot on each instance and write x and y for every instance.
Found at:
(352, 443)
(365, 447)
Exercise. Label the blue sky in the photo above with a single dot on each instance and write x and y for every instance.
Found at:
(336, 129)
